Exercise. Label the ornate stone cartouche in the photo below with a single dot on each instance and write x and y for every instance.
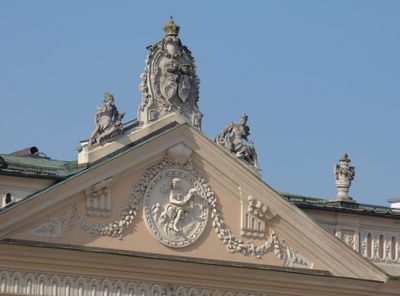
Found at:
(169, 82)
(344, 174)
(108, 122)
(234, 138)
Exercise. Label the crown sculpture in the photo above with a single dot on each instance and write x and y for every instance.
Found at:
(169, 82)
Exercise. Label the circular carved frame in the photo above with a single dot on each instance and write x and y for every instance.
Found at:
(161, 215)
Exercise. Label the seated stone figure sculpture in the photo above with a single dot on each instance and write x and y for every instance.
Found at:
(179, 205)
(232, 138)
(108, 121)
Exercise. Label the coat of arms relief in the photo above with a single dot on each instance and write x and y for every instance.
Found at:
(169, 82)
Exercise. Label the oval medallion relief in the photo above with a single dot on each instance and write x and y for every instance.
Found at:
(175, 208)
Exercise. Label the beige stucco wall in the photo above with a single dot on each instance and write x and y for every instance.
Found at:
(53, 271)
(140, 239)
(224, 174)
(383, 249)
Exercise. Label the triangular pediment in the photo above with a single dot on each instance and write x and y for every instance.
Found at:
(178, 194)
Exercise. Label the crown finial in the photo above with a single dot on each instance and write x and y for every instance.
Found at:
(171, 28)
(345, 158)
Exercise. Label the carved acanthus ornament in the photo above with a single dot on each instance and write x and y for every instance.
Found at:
(169, 82)
(234, 138)
(344, 174)
(197, 199)
(108, 122)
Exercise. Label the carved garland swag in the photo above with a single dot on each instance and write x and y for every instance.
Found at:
(119, 227)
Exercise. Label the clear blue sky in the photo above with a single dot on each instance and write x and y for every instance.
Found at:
(317, 79)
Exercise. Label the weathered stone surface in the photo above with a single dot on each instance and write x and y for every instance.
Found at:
(107, 122)
(234, 138)
(344, 174)
(169, 82)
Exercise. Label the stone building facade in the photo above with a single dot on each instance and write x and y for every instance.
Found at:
(156, 207)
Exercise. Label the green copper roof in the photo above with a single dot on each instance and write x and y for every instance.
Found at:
(306, 202)
(296, 198)
(34, 161)
(35, 166)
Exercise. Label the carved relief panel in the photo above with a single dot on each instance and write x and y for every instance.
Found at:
(380, 246)
(254, 216)
(54, 228)
(98, 199)
(348, 238)
(177, 205)
(176, 211)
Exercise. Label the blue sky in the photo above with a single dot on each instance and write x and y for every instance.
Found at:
(317, 79)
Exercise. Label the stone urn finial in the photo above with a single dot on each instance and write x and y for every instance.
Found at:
(344, 174)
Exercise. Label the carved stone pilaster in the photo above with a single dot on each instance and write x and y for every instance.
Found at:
(375, 247)
(363, 243)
